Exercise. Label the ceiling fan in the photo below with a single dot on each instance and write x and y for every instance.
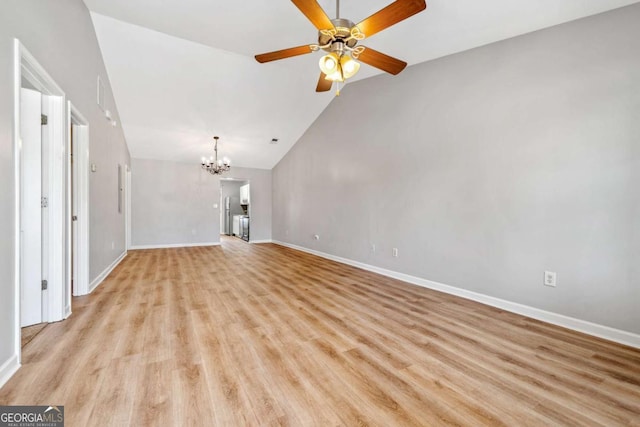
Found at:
(339, 37)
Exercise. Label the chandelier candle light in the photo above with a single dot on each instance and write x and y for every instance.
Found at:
(213, 165)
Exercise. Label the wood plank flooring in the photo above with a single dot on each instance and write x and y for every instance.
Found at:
(251, 335)
(29, 332)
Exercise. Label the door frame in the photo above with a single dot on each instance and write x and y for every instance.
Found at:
(234, 179)
(80, 192)
(127, 205)
(27, 67)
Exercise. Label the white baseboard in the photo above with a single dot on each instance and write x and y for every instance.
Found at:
(8, 368)
(601, 331)
(261, 241)
(174, 245)
(95, 282)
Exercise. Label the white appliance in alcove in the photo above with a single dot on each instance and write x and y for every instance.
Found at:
(244, 195)
(236, 224)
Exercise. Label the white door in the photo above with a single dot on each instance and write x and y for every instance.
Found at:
(30, 208)
(73, 149)
(127, 193)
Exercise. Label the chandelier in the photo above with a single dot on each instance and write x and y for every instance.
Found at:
(213, 165)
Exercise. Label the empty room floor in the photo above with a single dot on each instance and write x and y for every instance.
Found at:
(244, 335)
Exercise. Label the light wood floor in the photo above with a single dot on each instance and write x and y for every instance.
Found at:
(244, 335)
(29, 332)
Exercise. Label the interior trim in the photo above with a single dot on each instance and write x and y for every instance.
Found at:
(9, 368)
(174, 245)
(95, 282)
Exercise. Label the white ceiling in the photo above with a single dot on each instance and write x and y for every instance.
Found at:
(183, 70)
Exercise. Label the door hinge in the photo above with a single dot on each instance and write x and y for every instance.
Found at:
(44, 285)
(44, 202)
(43, 119)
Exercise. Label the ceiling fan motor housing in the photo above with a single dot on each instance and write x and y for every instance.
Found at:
(343, 32)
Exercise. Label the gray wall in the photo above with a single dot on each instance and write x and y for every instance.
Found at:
(172, 203)
(486, 168)
(60, 35)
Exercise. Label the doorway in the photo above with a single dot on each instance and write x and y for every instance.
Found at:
(77, 206)
(127, 206)
(40, 195)
(235, 208)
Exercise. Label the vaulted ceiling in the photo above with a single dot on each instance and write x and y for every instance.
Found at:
(183, 71)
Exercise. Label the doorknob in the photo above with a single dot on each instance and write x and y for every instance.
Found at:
(74, 218)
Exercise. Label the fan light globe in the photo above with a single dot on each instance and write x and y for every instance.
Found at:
(335, 77)
(329, 63)
(349, 66)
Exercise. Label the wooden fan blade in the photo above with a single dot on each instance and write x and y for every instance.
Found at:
(284, 53)
(323, 84)
(384, 18)
(314, 13)
(380, 60)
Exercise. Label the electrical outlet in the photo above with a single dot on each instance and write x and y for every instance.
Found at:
(373, 248)
(394, 252)
(113, 245)
(550, 278)
(316, 236)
